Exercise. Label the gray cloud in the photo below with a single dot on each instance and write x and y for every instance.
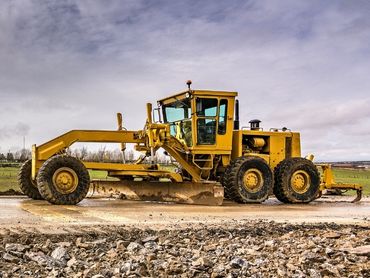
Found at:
(302, 64)
(17, 130)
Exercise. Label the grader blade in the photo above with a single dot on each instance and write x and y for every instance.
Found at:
(211, 194)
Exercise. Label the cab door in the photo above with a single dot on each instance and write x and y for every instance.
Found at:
(214, 122)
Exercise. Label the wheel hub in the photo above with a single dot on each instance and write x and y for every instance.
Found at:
(300, 182)
(65, 180)
(252, 180)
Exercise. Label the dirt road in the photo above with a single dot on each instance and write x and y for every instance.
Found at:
(20, 211)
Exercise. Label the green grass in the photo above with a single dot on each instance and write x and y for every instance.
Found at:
(8, 177)
(359, 176)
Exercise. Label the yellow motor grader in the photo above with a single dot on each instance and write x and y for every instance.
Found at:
(200, 130)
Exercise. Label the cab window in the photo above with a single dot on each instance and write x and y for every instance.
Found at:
(206, 110)
(177, 112)
(222, 117)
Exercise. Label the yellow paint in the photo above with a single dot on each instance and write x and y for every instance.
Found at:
(253, 180)
(201, 162)
(300, 181)
(65, 180)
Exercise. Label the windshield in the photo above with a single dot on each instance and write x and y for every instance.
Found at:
(177, 111)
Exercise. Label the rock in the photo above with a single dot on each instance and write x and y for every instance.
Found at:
(152, 245)
(329, 251)
(16, 268)
(99, 241)
(122, 244)
(150, 238)
(72, 262)
(98, 276)
(218, 271)
(210, 247)
(64, 244)
(238, 263)
(112, 254)
(269, 243)
(291, 266)
(39, 257)
(281, 272)
(16, 247)
(202, 261)
(126, 268)
(314, 273)
(60, 254)
(332, 235)
(134, 247)
(47, 244)
(329, 270)
(360, 250)
(80, 244)
(10, 258)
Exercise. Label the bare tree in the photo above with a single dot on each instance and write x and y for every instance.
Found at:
(25, 154)
(101, 153)
(10, 157)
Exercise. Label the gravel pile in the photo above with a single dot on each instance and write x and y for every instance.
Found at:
(250, 249)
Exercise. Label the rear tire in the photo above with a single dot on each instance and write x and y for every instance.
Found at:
(26, 184)
(297, 180)
(248, 180)
(63, 180)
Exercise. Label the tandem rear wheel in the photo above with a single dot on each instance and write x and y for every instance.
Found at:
(63, 180)
(248, 179)
(297, 180)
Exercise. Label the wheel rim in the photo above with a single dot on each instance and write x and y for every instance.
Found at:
(65, 180)
(300, 181)
(253, 180)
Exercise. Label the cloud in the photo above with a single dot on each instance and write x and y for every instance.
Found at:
(73, 64)
(14, 133)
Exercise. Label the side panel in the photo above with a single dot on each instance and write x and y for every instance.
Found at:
(296, 145)
(237, 147)
(276, 147)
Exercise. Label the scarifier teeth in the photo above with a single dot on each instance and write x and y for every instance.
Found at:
(358, 197)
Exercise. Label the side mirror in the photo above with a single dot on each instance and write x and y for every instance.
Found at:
(157, 115)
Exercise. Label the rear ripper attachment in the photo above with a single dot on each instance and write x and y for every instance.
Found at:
(328, 183)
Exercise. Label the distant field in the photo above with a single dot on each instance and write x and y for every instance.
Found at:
(8, 177)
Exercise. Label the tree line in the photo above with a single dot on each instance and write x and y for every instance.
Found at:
(100, 155)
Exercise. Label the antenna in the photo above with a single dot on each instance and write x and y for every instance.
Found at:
(188, 83)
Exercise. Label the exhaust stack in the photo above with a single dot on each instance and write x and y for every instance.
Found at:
(236, 121)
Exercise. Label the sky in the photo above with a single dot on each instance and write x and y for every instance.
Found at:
(73, 64)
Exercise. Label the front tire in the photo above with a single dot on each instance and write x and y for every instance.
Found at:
(297, 180)
(63, 180)
(26, 184)
(248, 180)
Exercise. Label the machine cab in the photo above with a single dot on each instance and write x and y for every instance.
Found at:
(201, 120)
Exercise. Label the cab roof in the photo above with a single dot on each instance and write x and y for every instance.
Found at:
(207, 93)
